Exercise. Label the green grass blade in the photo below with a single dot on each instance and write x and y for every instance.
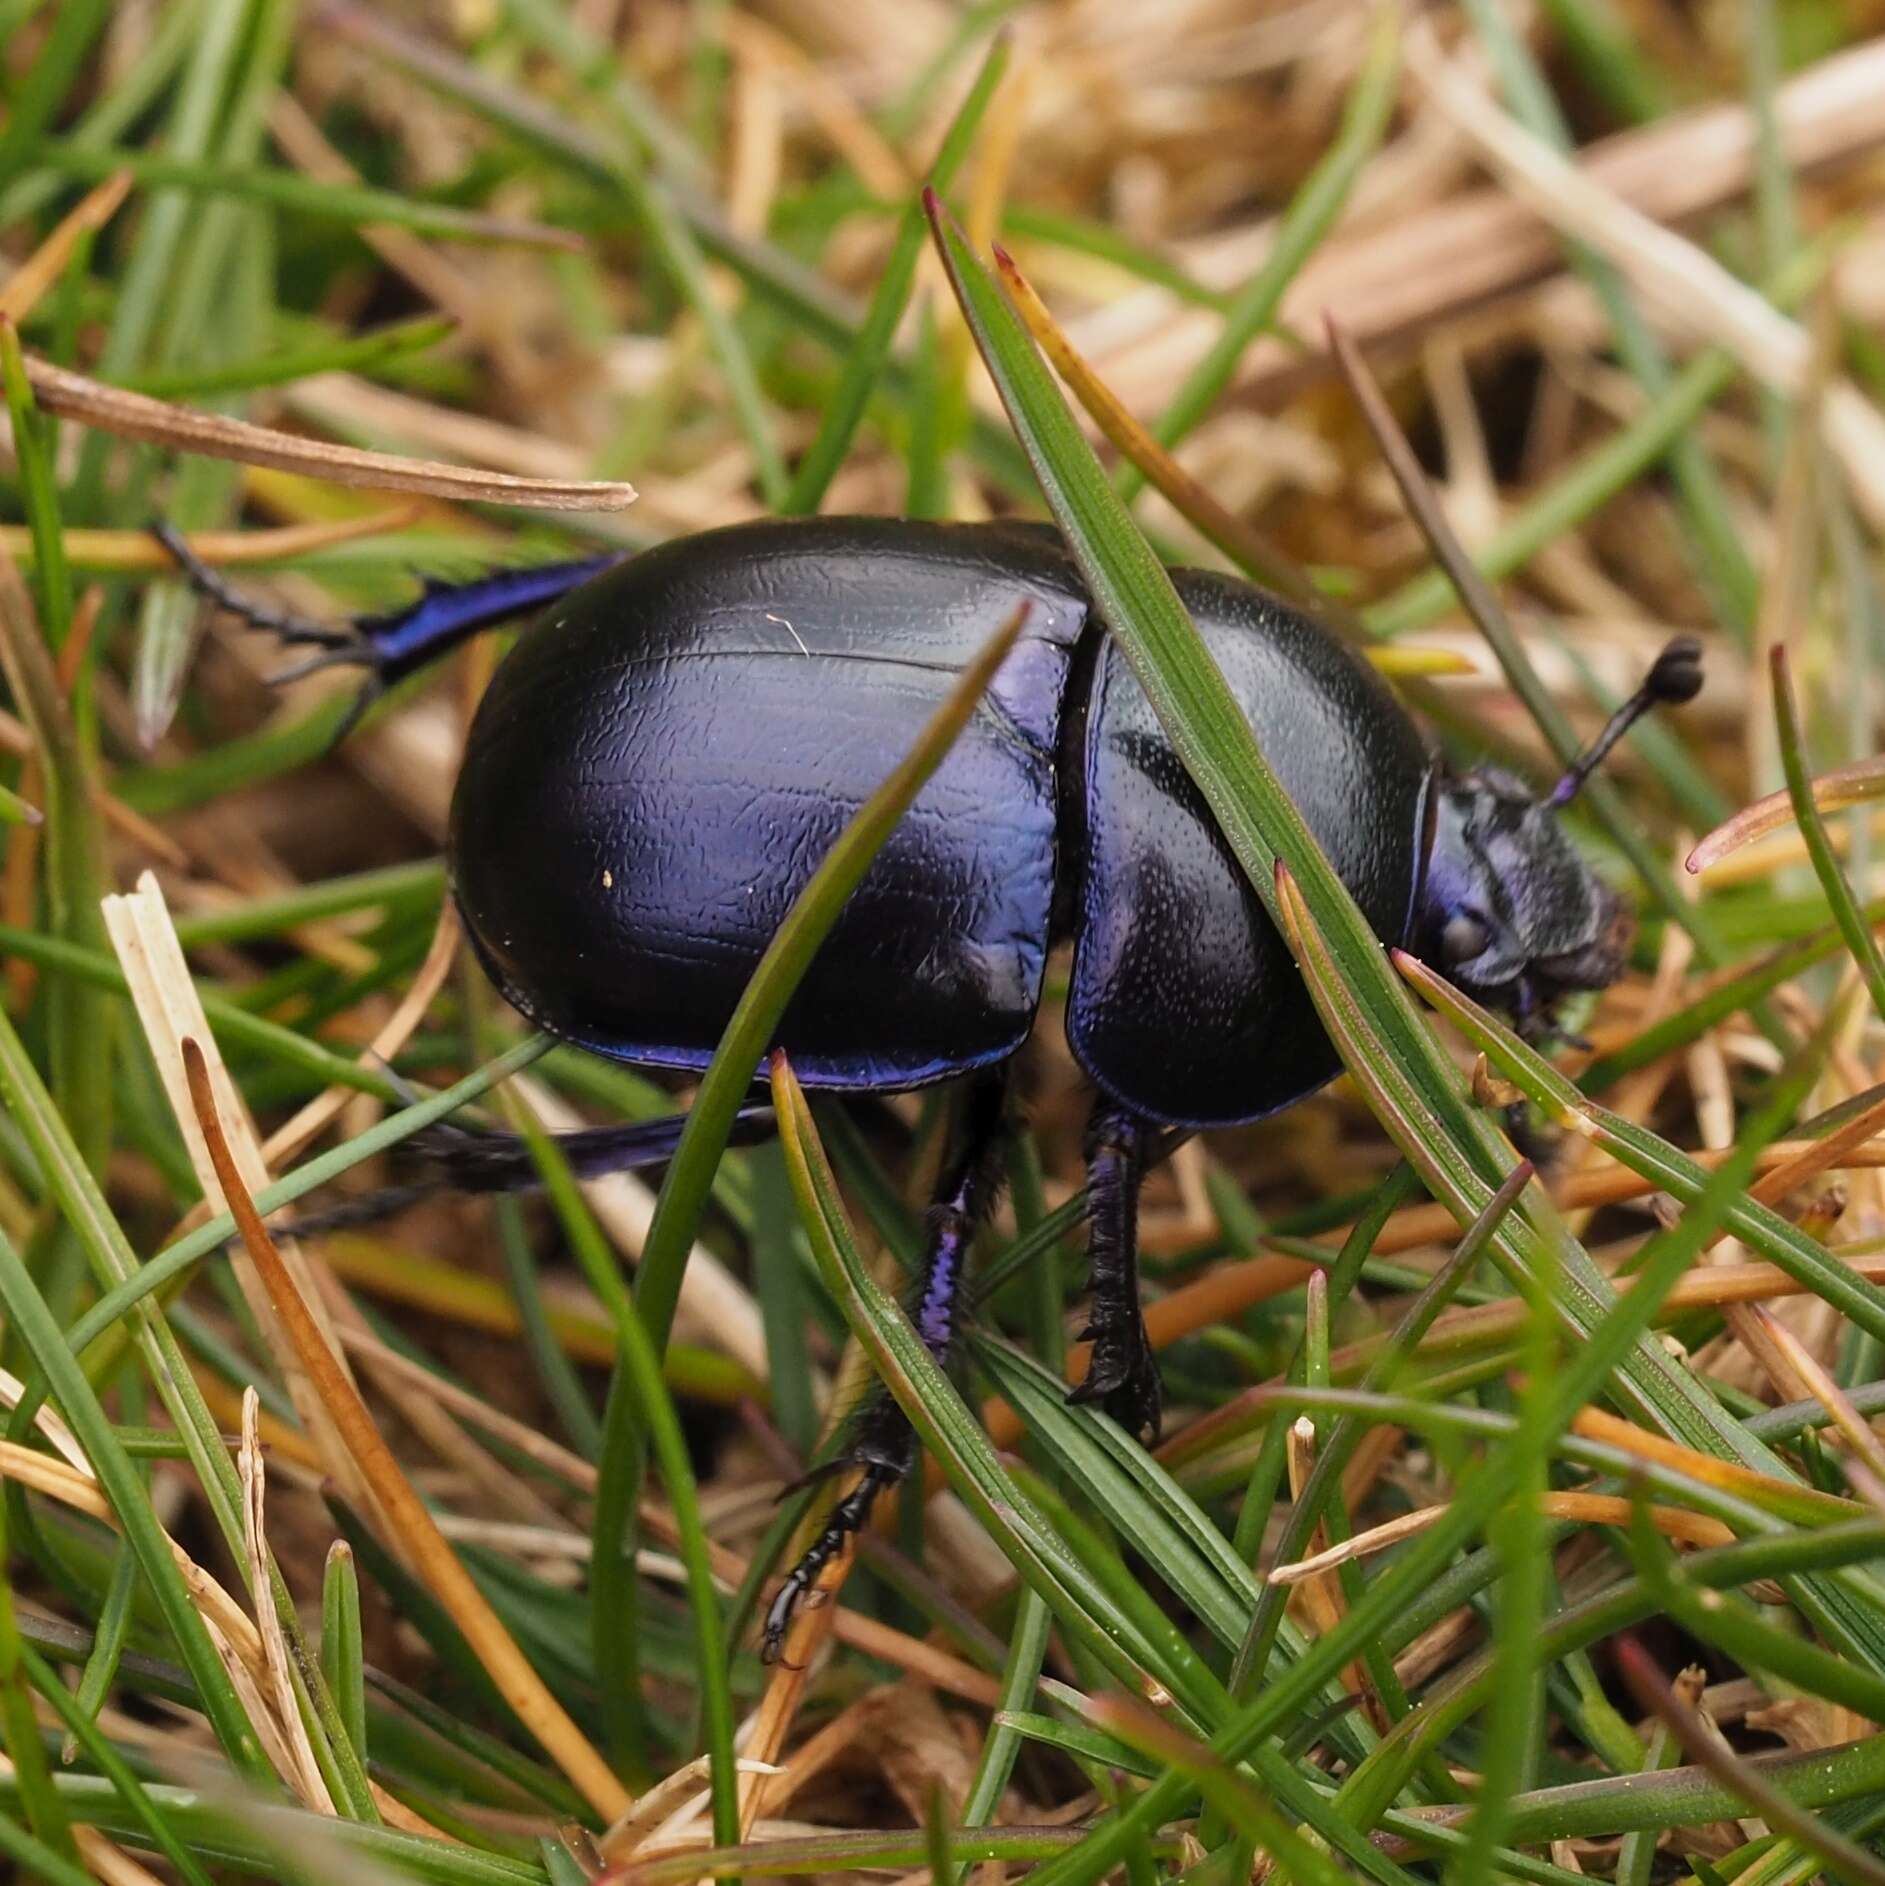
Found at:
(1861, 941)
(747, 1037)
(864, 364)
(342, 1658)
(29, 1318)
(1308, 219)
(103, 1754)
(950, 1431)
(350, 204)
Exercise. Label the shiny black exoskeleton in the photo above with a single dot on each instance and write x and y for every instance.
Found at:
(660, 764)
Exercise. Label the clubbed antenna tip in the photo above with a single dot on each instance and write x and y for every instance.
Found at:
(1674, 677)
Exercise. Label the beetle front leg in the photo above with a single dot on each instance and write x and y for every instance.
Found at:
(1122, 1374)
(883, 1443)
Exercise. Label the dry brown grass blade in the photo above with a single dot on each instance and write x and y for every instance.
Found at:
(1598, 1509)
(306, 1774)
(1594, 1424)
(1473, 1326)
(1233, 1288)
(237, 1642)
(516, 1679)
(185, 429)
(171, 1012)
(24, 288)
(812, 1627)
(1417, 271)
(1844, 786)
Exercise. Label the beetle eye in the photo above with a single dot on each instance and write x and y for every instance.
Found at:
(1463, 938)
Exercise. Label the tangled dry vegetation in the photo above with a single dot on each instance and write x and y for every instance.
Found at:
(344, 1556)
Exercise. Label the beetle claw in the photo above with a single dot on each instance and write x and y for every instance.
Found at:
(1123, 1379)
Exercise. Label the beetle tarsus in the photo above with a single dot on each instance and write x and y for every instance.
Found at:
(294, 629)
(883, 1443)
(849, 1516)
(1123, 1377)
(1122, 1373)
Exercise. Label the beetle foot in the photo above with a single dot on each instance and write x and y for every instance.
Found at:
(849, 1516)
(1123, 1378)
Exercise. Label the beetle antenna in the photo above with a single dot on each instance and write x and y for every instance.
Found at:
(290, 626)
(1675, 676)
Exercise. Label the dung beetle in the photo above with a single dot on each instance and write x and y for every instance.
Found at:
(656, 769)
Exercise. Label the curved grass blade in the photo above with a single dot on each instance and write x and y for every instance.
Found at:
(1140, 1501)
(523, 1688)
(1837, 791)
(689, 1178)
(640, 1391)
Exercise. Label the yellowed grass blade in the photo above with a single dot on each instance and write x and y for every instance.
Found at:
(29, 282)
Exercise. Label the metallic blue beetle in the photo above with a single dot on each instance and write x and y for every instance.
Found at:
(659, 765)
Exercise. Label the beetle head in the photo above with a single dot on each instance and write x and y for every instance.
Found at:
(1510, 908)
(1513, 913)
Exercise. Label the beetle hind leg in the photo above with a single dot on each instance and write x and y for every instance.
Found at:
(1122, 1373)
(391, 646)
(882, 1441)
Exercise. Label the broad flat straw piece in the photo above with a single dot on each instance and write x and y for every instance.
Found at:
(169, 1009)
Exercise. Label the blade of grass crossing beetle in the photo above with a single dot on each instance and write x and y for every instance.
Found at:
(1463, 1153)
(864, 363)
(946, 1426)
(1241, 542)
(746, 1039)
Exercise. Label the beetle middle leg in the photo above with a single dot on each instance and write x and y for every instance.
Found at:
(1122, 1375)
(882, 1441)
